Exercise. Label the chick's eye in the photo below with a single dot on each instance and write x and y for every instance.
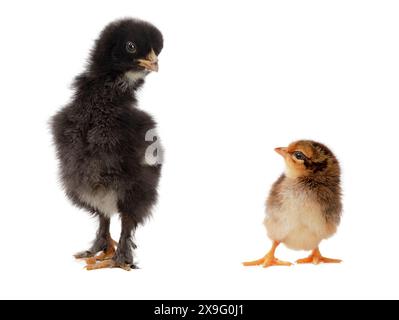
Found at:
(299, 155)
(131, 47)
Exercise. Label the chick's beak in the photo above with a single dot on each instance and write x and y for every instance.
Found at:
(281, 151)
(150, 63)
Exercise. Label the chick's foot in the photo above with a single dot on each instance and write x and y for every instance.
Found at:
(107, 264)
(106, 254)
(268, 260)
(121, 258)
(101, 244)
(316, 258)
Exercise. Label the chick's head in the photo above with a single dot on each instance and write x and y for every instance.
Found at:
(306, 158)
(127, 46)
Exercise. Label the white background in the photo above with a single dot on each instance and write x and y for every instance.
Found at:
(237, 78)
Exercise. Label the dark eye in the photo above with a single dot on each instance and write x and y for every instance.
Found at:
(299, 155)
(131, 47)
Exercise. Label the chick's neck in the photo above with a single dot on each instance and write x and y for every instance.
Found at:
(110, 87)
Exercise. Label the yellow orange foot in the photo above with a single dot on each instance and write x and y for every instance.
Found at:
(267, 261)
(107, 264)
(316, 258)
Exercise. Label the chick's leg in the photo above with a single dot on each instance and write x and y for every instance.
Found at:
(102, 243)
(123, 256)
(316, 258)
(269, 259)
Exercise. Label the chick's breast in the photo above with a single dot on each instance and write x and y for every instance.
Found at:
(294, 218)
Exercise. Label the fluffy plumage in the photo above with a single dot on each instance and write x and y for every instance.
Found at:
(304, 205)
(100, 136)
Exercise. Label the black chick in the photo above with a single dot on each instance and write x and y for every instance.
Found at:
(108, 151)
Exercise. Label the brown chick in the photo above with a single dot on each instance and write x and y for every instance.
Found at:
(304, 206)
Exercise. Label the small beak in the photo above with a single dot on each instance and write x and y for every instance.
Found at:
(150, 63)
(281, 151)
